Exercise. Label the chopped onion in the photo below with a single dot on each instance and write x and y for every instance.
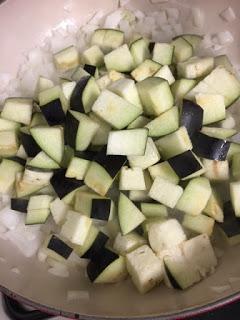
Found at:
(16, 270)
(161, 18)
(75, 260)
(63, 273)
(73, 295)
(172, 13)
(3, 229)
(123, 2)
(225, 37)
(228, 123)
(113, 19)
(228, 14)
(198, 17)
(10, 218)
(42, 255)
(68, 6)
(178, 29)
(220, 289)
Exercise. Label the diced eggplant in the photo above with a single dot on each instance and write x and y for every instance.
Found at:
(43, 161)
(195, 67)
(191, 117)
(17, 159)
(234, 195)
(231, 224)
(155, 95)
(8, 125)
(59, 247)
(93, 56)
(150, 157)
(142, 195)
(140, 50)
(19, 204)
(101, 136)
(214, 207)
(183, 50)
(127, 243)
(67, 59)
(8, 172)
(107, 39)
(235, 166)
(194, 39)
(164, 171)
(92, 70)
(213, 107)
(163, 53)
(216, 170)
(132, 179)
(76, 227)
(165, 73)
(186, 165)
(145, 269)
(63, 185)
(151, 210)
(18, 110)
(96, 247)
(115, 110)
(127, 142)
(79, 130)
(120, 59)
(165, 192)
(102, 209)
(58, 210)
(209, 147)
(181, 87)
(84, 94)
(145, 70)
(50, 140)
(220, 133)
(130, 217)
(198, 224)
(174, 144)
(165, 235)
(198, 188)
(29, 144)
(164, 124)
(8, 143)
(139, 122)
(38, 209)
(53, 112)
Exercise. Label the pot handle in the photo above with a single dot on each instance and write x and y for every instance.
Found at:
(16, 311)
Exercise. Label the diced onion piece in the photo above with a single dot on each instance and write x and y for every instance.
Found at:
(225, 37)
(228, 123)
(220, 289)
(113, 19)
(228, 14)
(198, 17)
(59, 272)
(207, 41)
(73, 295)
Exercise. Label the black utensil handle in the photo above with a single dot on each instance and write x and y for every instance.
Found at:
(16, 311)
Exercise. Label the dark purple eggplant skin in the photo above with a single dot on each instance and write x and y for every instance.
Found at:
(184, 164)
(208, 147)
(53, 112)
(18, 160)
(71, 128)
(101, 209)
(172, 280)
(231, 224)
(19, 204)
(100, 262)
(97, 245)
(63, 185)
(76, 102)
(191, 117)
(60, 247)
(151, 46)
(87, 155)
(90, 69)
(112, 164)
(30, 146)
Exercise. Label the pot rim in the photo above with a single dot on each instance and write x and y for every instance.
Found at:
(185, 314)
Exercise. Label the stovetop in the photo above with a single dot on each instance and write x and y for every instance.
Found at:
(231, 312)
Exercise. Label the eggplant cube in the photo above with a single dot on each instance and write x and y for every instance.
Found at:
(150, 157)
(216, 170)
(174, 144)
(18, 110)
(67, 59)
(199, 224)
(93, 56)
(8, 143)
(165, 235)
(165, 192)
(214, 208)
(195, 196)
(8, 172)
(76, 227)
(145, 268)
(132, 179)
(124, 244)
(235, 196)
(164, 171)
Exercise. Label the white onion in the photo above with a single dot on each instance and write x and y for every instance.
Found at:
(16, 270)
(225, 37)
(161, 18)
(63, 273)
(198, 17)
(3, 229)
(220, 289)
(228, 123)
(73, 295)
(228, 14)
(178, 29)
(10, 218)
(217, 47)
(75, 260)
(172, 13)
(68, 6)
(42, 255)
(96, 18)
(113, 19)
